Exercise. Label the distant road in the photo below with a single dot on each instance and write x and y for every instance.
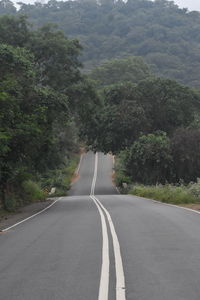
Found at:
(98, 245)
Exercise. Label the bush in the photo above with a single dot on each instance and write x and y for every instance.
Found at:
(166, 193)
(194, 188)
(10, 202)
(32, 191)
(121, 178)
(185, 145)
(60, 178)
(149, 159)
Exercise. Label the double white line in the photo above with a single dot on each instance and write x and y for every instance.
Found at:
(105, 268)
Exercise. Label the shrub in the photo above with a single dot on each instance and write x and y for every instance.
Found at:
(32, 191)
(166, 193)
(10, 202)
(121, 178)
(149, 159)
(185, 145)
(194, 188)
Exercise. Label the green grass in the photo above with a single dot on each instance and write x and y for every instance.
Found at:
(167, 193)
(61, 179)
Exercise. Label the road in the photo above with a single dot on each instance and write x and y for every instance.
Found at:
(98, 245)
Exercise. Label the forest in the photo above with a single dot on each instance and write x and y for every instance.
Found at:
(167, 37)
(50, 105)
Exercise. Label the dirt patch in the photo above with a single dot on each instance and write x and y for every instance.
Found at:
(192, 206)
(75, 178)
(8, 219)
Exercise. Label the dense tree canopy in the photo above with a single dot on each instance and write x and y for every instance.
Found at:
(166, 36)
(131, 69)
(130, 110)
(46, 102)
(40, 100)
(149, 159)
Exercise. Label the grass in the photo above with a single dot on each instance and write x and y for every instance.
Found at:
(61, 178)
(168, 193)
(38, 189)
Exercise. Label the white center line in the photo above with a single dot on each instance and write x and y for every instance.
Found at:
(120, 279)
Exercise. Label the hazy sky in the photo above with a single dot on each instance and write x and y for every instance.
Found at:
(190, 4)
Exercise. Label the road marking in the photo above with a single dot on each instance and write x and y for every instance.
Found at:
(120, 279)
(79, 165)
(104, 279)
(41, 211)
(168, 204)
(113, 157)
(181, 207)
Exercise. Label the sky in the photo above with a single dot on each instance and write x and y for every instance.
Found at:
(190, 4)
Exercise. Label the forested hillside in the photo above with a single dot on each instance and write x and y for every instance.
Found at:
(168, 38)
(122, 106)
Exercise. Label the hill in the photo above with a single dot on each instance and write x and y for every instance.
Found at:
(167, 37)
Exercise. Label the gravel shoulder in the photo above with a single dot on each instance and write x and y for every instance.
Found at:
(8, 219)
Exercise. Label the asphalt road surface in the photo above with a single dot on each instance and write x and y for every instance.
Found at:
(98, 245)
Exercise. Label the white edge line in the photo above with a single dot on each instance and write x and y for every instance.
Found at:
(113, 162)
(79, 165)
(41, 211)
(167, 204)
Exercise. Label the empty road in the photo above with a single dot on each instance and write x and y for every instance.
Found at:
(96, 244)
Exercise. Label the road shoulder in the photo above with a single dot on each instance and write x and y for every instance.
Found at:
(23, 213)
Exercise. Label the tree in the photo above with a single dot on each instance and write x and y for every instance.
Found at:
(166, 36)
(18, 29)
(185, 146)
(114, 71)
(121, 119)
(7, 7)
(56, 57)
(167, 104)
(41, 102)
(149, 159)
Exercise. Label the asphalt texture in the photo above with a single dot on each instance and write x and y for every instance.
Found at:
(58, 254)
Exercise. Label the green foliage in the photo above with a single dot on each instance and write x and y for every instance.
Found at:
(167, 104)
(56, 56)
(166, 36)
(10, 202)
(149, 159)
(121, 178)
(32, 191)
(166, 193)
(60, 178)
(40, 106)
(114, 71)
(156, 158)
(14, 30)
(194, 188)
(131, 110)
(120, 120)
(185, 145)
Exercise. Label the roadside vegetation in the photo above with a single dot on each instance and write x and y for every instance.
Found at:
(41, 101)
(168, 193)
(135, 110)
(152, 126)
